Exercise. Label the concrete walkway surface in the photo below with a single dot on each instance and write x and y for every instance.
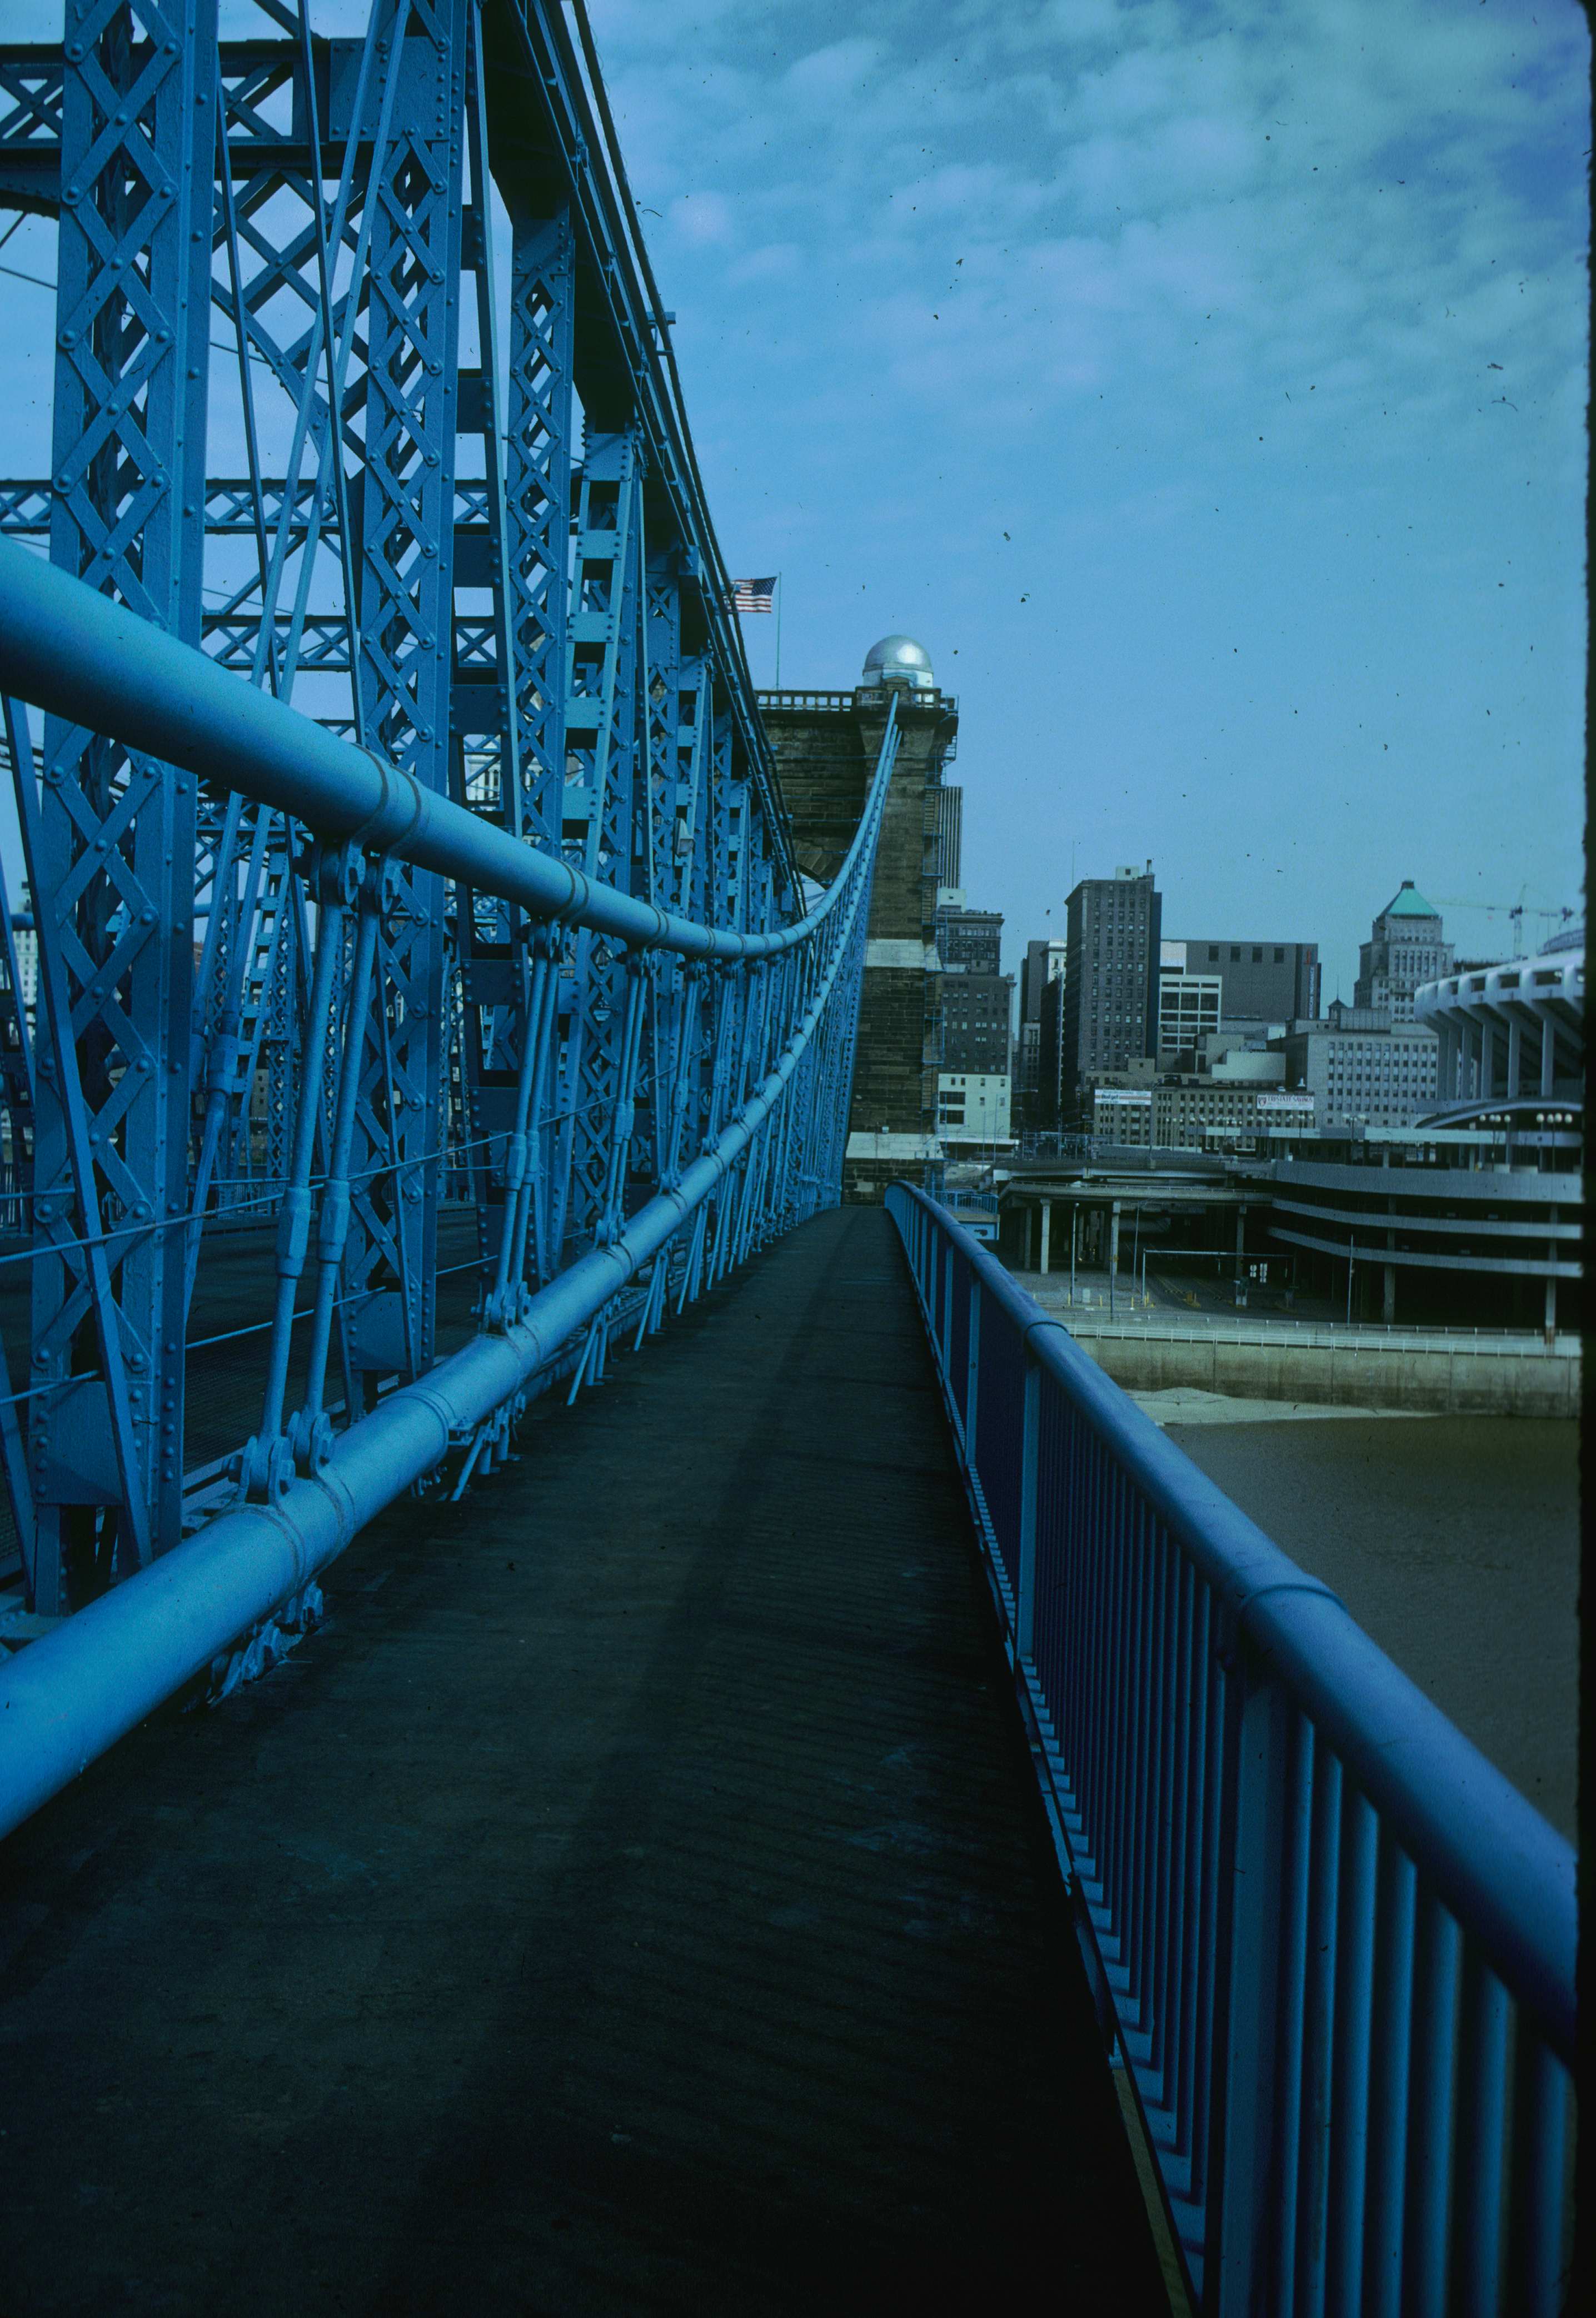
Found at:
(633, 1900)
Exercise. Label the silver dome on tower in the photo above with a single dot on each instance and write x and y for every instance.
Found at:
(899, 660)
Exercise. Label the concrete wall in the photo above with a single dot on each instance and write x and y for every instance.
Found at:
(1444, 1380)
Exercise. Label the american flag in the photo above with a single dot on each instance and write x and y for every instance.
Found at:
(754, 594)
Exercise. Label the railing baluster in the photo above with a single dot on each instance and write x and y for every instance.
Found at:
(1481, 2104)
(1437, 1971)
(1148, 1704)
(1208, 1960)
(1296, 1856)
(1242, 1775)
(1025, 1590)
(1116, 1787)
(1319, 2039)
(1541, 2102)
(1161, 1882)
(973, 1372)
(1177, 1927)
(1350, 2096)
(1246, 1992)
(1194, 2057)
(1390, 2043)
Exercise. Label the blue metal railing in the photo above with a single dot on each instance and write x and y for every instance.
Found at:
(1335, 1945)
(976, 1211)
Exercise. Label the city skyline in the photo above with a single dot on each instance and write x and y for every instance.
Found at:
(1539, 927)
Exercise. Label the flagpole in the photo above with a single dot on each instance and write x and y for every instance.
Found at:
(778, 631)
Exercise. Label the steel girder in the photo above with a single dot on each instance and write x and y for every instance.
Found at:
(502, 909)
(108, 836)
(787, 1000)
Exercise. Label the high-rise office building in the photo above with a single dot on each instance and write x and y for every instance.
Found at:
(972, 1108)
(1190, 1008)
(975, 1014)
(969, 939)
(948, 843)
(977, 997)
(1263, 982)
(1045, 962)
(1407, 946)
(1364, 1069)
(1048, 1103)
(1109, 1012)
(1036, 1079)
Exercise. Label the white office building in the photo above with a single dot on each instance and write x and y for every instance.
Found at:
(973, 1106)
(1362, 1068)
(1189, 1006)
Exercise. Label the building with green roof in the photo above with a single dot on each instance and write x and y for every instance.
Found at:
(1409, 903)
(1407, 946)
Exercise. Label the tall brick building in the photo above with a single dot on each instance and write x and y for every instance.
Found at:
(977, 995)
(826, 746)
(1110, 997)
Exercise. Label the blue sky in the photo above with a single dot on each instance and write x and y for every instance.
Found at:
(1204, 387)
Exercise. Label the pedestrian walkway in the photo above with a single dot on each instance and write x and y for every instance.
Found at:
(633, 1900)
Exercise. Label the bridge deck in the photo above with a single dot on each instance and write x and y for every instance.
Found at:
(631, 1900)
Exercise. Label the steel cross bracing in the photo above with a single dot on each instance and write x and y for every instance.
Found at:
(396, 823)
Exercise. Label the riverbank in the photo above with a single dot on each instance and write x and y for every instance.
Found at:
(1155, 1348)
(1415, 1374)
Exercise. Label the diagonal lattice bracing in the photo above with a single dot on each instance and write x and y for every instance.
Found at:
(112, 834)
(399, 835)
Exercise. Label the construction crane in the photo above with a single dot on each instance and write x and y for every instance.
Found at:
(1515, 911)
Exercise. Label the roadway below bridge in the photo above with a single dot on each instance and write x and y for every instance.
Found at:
(634, 1899)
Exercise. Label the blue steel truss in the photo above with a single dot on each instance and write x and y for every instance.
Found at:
(398, 834)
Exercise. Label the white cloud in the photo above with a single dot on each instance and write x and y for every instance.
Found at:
(1013, 241)
(825, 75)
(1152, 280)
(772, 261)
(703, 218)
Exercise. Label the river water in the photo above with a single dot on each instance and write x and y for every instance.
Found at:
(1454, 1541)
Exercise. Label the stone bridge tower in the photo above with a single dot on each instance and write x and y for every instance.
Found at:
(825, 745)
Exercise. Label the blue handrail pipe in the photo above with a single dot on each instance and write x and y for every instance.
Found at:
(1334, 1946)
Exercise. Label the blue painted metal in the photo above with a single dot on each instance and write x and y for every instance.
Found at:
(74, 1694)
(1337, 1946)
(110, 837)
(474, 815)
(60, 643)
(404, 603)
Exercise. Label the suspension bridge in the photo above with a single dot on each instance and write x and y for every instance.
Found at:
(729, 1769)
